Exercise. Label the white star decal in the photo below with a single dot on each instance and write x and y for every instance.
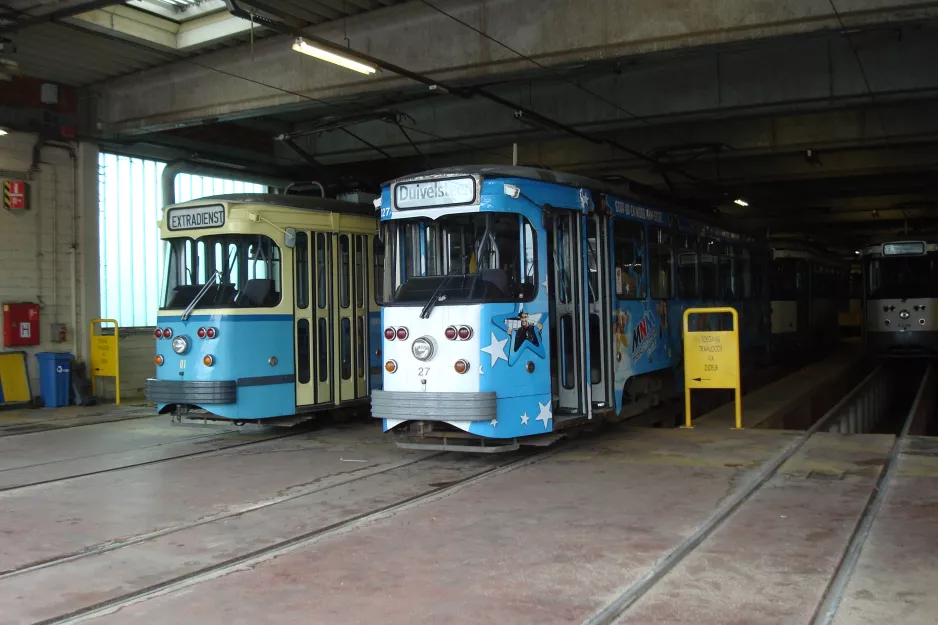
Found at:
(524, 419)
(481, 372)
(544, 283)
(544, 414)
(496, 350)
(493, 422)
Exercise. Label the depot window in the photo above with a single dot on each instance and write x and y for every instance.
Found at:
(131, 255)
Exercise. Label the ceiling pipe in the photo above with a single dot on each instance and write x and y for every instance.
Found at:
(174, 168)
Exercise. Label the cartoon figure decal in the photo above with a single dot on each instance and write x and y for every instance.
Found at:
(525, 331)
(526, 328)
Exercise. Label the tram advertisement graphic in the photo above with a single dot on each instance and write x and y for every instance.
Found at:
(525, 331)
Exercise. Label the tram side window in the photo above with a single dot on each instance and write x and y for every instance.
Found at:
(661, 264)
(302, 269)
(343, 271)
(359, 271)
(323, 264)
(726, 261)
(686, 267)
(744, 269)
(379, 270)
(629, 242)
(528, 248)
(708, 270)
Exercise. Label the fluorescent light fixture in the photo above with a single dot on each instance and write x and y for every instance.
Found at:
(325, 55)
(741, 202)
(3, 132)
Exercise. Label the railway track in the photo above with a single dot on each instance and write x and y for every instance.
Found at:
(866, 407)
(201, 452)
(435, 492)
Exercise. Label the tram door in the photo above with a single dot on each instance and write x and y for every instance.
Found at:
(569, 304)
(599, 321)
(322, 307)
(351, 253)
(304, 318)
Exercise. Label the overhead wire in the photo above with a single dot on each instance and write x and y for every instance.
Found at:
(856, 56)
(589, 92)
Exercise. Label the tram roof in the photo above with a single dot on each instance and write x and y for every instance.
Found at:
(622, 191)
(518, 171)
(310, 203)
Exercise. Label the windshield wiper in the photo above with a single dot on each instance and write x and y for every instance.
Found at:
(216, 276)
(436, 297)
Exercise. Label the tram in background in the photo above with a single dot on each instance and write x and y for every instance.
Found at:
(519, 302)
(850, 317)
(900, 298)
(269, 308)
(807, 289)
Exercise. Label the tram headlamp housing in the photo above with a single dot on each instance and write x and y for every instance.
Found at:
(180, 345)
(423, 348)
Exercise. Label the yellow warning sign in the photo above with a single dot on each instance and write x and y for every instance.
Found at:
(711, 358)
(104, 358)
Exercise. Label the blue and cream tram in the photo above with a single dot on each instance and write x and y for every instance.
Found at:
(520, 301)
(268, 310)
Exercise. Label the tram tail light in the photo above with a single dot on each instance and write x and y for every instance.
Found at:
(402, 334)
(158, 360)
(390, 366)
(465, 333)
(158, 333)
(390, 333)
(208, 360)
(167, 333)
(450, 333)
(200, 333)
(211, 333)
(461, 366)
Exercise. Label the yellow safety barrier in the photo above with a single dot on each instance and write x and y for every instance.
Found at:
(711, 360)
(14, 382)
(104, 358)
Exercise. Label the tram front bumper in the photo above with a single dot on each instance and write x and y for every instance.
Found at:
(415, 406)
(196, 392)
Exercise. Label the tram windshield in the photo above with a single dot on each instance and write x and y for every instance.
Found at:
(460, 259)
(902, 277)
(247, 266)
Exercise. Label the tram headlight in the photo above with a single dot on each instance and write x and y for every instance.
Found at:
(422, 349)
(180, 345)
(903, 314)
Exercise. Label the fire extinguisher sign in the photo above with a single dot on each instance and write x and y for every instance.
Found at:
(14, 195)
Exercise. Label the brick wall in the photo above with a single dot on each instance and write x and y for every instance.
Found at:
(47, 251)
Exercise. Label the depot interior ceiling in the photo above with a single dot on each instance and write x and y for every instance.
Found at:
(837, 168)
(82, 42)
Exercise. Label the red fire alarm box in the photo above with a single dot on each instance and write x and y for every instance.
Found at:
(14, 195)
(20, 325)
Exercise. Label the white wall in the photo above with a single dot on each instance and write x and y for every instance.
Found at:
(46, 251)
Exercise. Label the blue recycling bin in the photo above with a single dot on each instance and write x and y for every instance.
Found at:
(55, 378)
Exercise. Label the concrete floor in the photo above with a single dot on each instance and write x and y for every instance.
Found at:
(193, 522)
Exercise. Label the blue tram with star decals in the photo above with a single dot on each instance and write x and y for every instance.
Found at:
(519, 302)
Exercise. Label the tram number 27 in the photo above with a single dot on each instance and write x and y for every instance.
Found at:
(422, 372)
